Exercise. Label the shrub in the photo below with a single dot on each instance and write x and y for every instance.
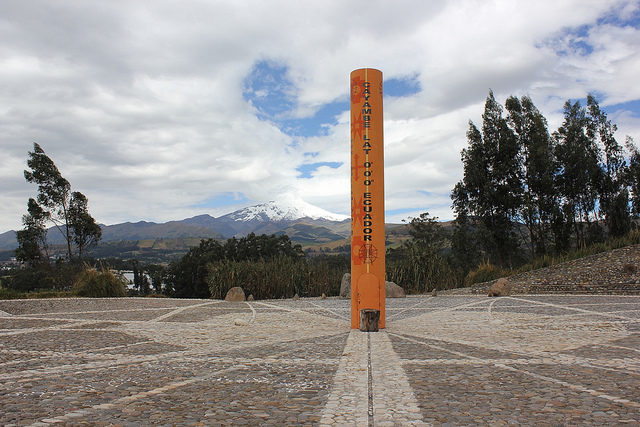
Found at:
(485, 273)
(9, 293)
(99, 284)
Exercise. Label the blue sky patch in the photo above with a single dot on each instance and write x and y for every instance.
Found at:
(632, 106)
(402, 87)
(402, 211)
(269, 90)
(614, 19)
(222, 200)
(317, 124)
(307, 170)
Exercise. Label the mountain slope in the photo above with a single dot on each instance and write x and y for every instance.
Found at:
(300, 220)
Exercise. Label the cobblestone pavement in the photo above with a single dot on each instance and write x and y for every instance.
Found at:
(446, 360)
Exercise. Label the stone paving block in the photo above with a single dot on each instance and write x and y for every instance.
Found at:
(66, 340)
(448, 360)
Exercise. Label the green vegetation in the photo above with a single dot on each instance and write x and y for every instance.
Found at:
(529, 198)
(99, 284)
(487, 272)
(527, 193)
(57, 204)
(420, 264)
(62, 280)
(278, 277)
(188, 277)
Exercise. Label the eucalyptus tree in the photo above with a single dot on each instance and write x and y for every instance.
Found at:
(613, 192)
(492, 184)
(85, 231)
(32, 240)
(578, 181)
(633, 176)
(539, 169)
(66, 210)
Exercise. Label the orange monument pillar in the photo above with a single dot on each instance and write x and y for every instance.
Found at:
(367, 196)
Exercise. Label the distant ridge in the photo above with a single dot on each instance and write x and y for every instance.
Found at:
(290, 216)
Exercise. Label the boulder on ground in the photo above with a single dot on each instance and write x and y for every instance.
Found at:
(235, 294)
(393, 291)
(500, 288)
(345, 286)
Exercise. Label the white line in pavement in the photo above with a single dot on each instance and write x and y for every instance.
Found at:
(393, 399)
(326, 309)
(43, 316)
(406, 309)
(576, 387)
(128, 399)
(348, 400)
(278, 307)
(568, 307)
(181, 309)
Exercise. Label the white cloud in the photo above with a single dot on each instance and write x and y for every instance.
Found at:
(141, 104)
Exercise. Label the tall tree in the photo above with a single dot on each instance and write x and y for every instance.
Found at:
(464, 242)
(32, 240)
(84, 229)
(578, 181)
(67, 211)
(633, 176)
(492, 185)
(613, 192)
(539, 170)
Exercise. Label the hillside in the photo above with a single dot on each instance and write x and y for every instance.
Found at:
(613, 272)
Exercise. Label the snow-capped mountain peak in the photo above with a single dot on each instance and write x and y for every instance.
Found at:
(286, 209)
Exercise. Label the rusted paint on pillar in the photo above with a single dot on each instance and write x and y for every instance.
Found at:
(367, 196)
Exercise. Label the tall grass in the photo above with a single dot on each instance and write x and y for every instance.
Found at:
(99, 284)
(418, 274)
(277, 277)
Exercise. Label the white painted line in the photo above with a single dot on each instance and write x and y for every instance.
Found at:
(181, 309)
(81, 413)
(568, 307)
(326, 309)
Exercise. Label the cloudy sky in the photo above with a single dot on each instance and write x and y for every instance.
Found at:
(165, 110)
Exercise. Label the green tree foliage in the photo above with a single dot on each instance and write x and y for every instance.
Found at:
(613, 192)
(578, 182)
(32, 240)
(419, 265)
(633, 176)
(187, 278)
(158, 275)
(140, 280)
(85, 231)
(56, 203)
(562, 187)
(491, 190)
(539, 168)
(278, 276)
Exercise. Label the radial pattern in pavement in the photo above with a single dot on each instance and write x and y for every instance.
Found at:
(462, 360)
